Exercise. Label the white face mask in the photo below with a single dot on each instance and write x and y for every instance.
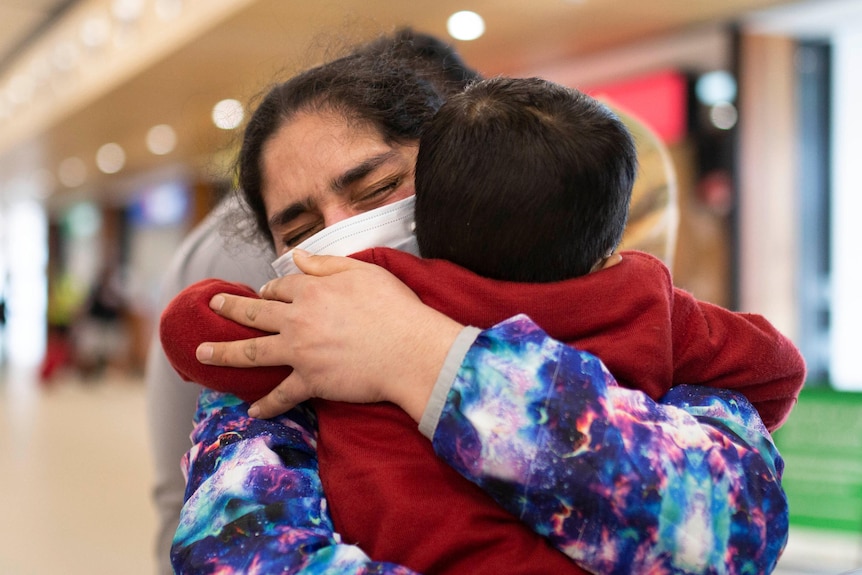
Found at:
(389, 226)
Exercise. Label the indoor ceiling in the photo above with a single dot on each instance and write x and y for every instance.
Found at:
(22, 20)
(256, 41)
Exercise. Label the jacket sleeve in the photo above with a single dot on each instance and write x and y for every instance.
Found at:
(716, 347)
(254, 502)
(621, 483)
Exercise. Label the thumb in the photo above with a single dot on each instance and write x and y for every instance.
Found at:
(314, 265)
(287, 395)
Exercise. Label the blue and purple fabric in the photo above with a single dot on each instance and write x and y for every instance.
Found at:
(620, 483)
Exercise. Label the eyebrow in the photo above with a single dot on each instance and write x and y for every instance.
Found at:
(288, 214)
(361, 170)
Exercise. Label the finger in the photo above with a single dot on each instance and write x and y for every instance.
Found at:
(283, 289)
(254, 312)
(325, 265)
(289, 393)
(253, 352)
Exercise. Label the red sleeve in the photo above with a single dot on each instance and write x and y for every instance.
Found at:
(716, 347)
(188, 321)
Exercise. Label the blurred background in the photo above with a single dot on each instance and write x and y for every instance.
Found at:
(119, 120)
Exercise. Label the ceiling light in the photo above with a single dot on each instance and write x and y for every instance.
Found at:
(111, 158)
(227, 114)
(72, 172)
(20, 89)
(127, 11)
(169, 9)
(161, 139)
(40, 70)
(95, 31)
(65, 56)
(465, 25)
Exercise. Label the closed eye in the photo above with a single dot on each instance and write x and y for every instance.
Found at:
(378, 193)
(296, 237)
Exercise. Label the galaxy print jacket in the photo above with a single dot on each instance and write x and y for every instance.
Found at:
(618, 482)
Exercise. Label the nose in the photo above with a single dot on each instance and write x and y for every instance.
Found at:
(334, 213)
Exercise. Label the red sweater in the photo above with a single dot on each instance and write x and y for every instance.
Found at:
(391, 495)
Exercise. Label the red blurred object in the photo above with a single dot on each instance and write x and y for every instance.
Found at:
(660, 100)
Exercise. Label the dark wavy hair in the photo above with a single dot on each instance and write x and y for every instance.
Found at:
(523, 180)
(395, 82)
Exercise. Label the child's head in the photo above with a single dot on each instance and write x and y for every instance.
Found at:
(523, 180)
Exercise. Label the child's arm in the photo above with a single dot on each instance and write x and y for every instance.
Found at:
(188, 321)
(716, 347)
(254, 502)
(619, 482)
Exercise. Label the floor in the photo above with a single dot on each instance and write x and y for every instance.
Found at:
(75, 476)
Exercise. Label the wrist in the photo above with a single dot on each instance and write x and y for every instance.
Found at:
(446, 379)
(421, 359)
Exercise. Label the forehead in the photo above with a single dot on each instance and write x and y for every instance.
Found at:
(310, 150)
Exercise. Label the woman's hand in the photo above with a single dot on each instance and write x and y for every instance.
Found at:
(351, 331)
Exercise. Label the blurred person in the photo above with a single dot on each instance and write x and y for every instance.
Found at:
(217, 249)
(99, 333)
(552, 187)
(232, 520)
(65, 298)
(209, 251)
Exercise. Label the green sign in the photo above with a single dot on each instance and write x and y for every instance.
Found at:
(822, 448)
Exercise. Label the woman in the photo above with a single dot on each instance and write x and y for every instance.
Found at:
(217, 248)
(318, 157)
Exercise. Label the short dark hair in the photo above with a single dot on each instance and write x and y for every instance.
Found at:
(395, 83)
(523, 180)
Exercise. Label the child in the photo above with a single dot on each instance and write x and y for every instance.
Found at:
(522, 191)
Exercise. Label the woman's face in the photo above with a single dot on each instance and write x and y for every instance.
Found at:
(319, 169)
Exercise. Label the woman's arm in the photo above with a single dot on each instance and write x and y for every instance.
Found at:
(346, 331)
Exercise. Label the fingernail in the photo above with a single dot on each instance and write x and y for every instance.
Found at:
(254, 411)
(300, 253)
(263, 289)
(217, 302)
(204, 352)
